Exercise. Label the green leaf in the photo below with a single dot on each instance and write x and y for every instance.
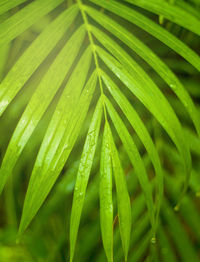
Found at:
(135, 159)
(194, 141)
(141, 247)
(60, 137)
(188, 7)
(141, 226)
(170, 11)
(83, 175)
(105, 194)
(54, 60)
(34, 56)
(4, 52)
(148, 93)
(123, 200)
(37, 107)
(152, 28)
(6, 5)
(147, 54)
(142, 132)
(27, 16)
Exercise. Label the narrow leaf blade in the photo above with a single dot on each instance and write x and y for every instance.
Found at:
(123, 199)
(105, 194)
(83, 176)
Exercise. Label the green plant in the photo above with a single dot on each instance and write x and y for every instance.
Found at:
(101, 77)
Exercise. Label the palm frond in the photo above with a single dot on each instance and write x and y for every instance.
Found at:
(89, 59)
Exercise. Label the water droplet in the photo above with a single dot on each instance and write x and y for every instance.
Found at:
(107, 145)
(66, 147)
(173, 86)
(153, 240)
(23, 121)
(80, 196)
(176, 208)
